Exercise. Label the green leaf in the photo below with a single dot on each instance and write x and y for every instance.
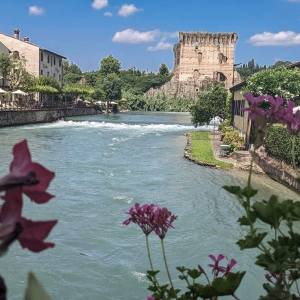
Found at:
(270, 212)
(35, 290)
(248, 192)
(152, 273)
(228, 285)
(194, 273)
(181, 269)
(245, 221)
(235, 190)
(251, 241)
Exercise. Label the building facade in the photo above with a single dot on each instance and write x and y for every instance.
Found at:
(39, 61)
(203, 54)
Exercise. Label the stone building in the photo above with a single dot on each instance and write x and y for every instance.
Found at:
(39, 61)
(201, 57)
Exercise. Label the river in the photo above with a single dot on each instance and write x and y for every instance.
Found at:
(103, 165)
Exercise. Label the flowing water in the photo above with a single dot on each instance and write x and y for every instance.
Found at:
(103, 165)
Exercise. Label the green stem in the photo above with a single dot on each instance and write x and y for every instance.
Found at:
(235, 297)
(165, 259)
(148, 250)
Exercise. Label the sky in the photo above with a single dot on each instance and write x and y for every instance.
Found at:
(141, 33)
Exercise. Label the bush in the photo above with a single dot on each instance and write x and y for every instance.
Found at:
(222, 125)
(235, 141)
(278, 144)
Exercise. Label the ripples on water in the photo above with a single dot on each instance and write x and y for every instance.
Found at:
(104, 164)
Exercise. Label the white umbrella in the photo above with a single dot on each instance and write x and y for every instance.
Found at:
(2, 91)
(19, 92)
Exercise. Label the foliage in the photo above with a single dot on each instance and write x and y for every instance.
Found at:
(75, 91)
(211, 103)
(109, 65)
(71, 73)
(278, 143)
(228, 115)
(201, 149)
(6, 64)
(111, 86)
(160, 103)
(233, 139)
(250, 68)
(276, 82)
(47, 81)
(163, 70)
(223, 125)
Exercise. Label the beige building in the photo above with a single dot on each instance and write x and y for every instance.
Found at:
(200, 58)
(39, 61)
(199, 55)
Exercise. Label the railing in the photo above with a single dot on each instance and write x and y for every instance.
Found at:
(13, 106)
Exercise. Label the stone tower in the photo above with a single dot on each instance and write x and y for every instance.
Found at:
(203, 54)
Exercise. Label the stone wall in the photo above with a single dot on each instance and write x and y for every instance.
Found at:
(14, 118)
(276, 170)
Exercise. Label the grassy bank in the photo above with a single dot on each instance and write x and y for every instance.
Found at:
(201, 149)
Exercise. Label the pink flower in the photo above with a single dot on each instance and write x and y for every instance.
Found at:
(30, 234)
(143, 216)
(215, 267)
(163, 221)
(254, 109)
(33, 177)
(229, 266)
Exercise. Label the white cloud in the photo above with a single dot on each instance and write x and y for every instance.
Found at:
(169, 35)
(160, 46)
(131, 36)
(282, 38)
(127, 10)
(36, 11)
(99, 4)
(108, 14)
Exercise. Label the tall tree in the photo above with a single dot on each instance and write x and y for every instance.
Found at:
(211, 103)
(109, 65)
(72, 73)
(163, 70)
(112, 88)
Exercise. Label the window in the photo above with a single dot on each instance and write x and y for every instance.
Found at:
(59, 77)
(54, 60)
(42, 56)
(47, 74)
(59, 62)
(16, 55)
(48, 59)
(238, 106)
(41, 72)
(54, 75)
(51, 61)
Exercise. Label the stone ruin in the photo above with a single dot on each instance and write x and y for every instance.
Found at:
(200, 58)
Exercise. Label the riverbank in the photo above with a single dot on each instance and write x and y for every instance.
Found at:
(25, 117)
(200, 150)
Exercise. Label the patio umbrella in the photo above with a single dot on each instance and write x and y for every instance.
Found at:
(19, 92)
(2, 91)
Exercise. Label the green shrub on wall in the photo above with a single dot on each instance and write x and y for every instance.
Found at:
(278, 144)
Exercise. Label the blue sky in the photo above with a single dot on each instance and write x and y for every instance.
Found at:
(141, 33)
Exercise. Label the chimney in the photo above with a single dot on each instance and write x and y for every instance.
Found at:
(17, 33)
(26, 39)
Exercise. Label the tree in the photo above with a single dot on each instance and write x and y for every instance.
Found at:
(111, 86)
(276, 82)
(6, 64)
(211, 103)
(109, 65)
(163, 70)
(71, 73)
